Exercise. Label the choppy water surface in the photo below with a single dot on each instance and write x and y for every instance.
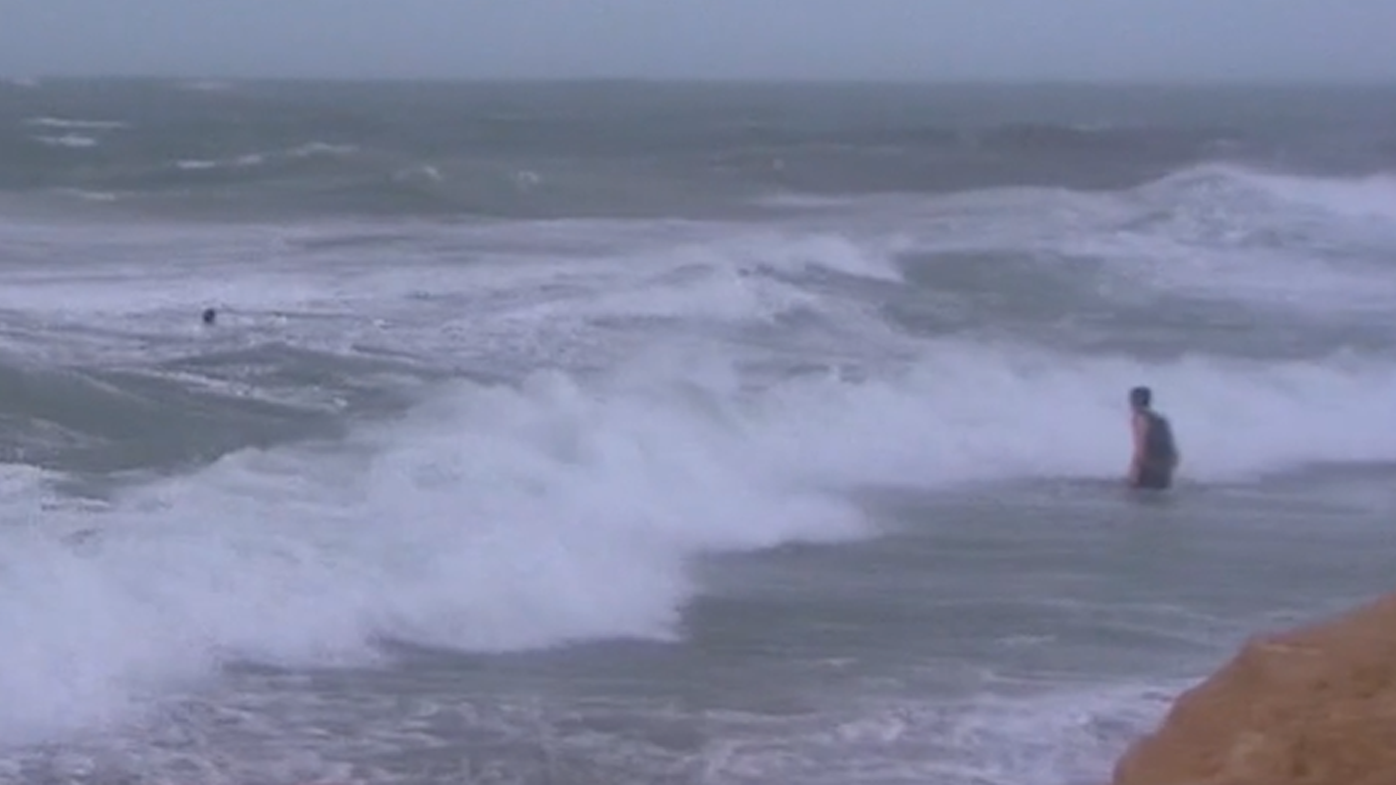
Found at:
(665, 433)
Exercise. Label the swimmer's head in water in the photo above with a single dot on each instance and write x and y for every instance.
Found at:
(1140, 397)
(209, 315)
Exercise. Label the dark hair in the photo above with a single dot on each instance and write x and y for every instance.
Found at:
(1140, 397)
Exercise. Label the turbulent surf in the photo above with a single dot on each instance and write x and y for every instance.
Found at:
(650, 432)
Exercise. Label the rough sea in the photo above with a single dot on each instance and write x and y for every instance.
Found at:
(650, 433)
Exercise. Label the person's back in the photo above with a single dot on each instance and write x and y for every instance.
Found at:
(1155, 450)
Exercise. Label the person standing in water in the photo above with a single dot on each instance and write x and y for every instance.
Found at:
(1155, 451)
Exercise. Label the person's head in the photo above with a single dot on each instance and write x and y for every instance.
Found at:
(210, 315)
(1140, 398)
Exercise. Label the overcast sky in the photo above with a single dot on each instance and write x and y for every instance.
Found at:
(857, 39)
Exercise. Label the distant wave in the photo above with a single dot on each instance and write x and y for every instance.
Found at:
(466, 154)
(67, 140)
(309, 150)
(1369, 196)
(90, 196)
(90, 125)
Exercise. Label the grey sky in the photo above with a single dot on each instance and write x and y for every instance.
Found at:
(897, 39)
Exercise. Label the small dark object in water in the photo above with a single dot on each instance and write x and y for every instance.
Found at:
(209, 315)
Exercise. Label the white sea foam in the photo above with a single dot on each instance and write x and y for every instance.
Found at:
(68, 140)
(75, 124)
(568, 507)
(498, 518)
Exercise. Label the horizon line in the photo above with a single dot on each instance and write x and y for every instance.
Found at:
(974, 81)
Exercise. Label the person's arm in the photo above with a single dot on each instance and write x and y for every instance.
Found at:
(1139, 427)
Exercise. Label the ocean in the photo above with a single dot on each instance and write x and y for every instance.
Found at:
(633, 432)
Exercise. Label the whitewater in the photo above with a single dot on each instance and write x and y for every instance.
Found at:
(669, 433)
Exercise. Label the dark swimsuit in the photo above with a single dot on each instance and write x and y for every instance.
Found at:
(1160, 454)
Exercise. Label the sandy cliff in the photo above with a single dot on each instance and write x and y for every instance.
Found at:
(1314, 706)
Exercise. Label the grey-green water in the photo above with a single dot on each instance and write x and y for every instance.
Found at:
(670, 433)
